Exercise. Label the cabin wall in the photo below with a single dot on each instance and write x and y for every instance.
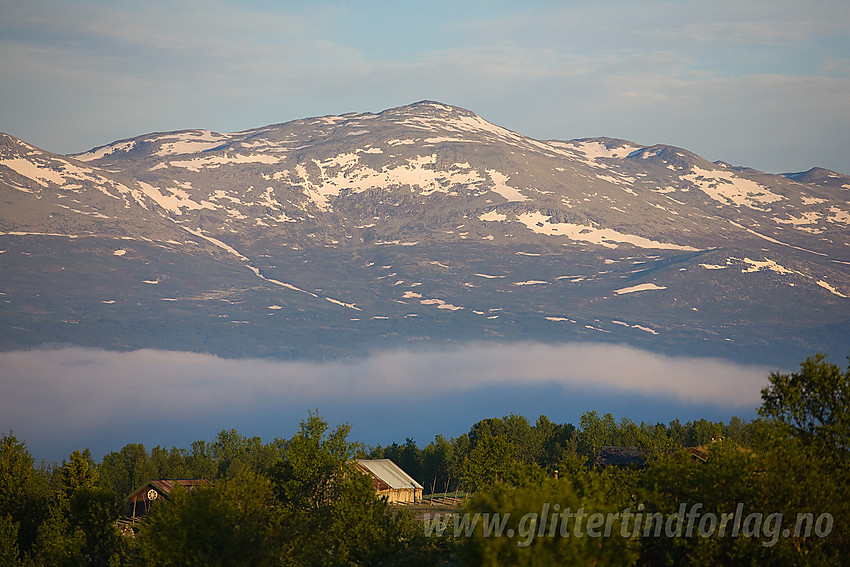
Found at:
(402, 495)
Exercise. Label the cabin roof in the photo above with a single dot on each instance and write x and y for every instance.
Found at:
(164, 487)
(387, 474)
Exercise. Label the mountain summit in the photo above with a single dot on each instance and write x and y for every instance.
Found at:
(335, 235)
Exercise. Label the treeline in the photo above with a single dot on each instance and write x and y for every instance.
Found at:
(298, 502)
(478, 457)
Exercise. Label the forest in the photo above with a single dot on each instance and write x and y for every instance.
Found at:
(298, 502)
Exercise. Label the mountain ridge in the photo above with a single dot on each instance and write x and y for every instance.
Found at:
(478, 216)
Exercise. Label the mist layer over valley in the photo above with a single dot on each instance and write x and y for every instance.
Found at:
(98, 398)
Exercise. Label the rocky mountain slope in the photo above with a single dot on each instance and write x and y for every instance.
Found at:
(424, 224)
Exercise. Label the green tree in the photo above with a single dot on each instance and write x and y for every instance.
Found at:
(774, 483)
(235, 453)
(9, 552)
(798, 478)
(814, 402)
(490, 462)
(169, 463)
(596, 432)
(331, 512)
(200, 462)
(534, 531)
(125, 470)
(315, 459)
(526, 440)
(718, 485)
(701, 432)
(234, 523)
(93, 512)
(810, 466)
(23, 493)
(461, 447)
(557, 440)
(80, 527)
(738, 431)
(77, 472)
(436, 463)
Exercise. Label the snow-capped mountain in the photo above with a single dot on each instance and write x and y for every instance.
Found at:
(329, 236)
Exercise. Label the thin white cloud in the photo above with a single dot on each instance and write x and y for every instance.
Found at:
(81, 74)
(86, 389)
(180, 28)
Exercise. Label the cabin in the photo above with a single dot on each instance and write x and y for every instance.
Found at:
(390, 481)
(142, 498)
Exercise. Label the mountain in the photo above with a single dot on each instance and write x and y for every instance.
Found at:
(333, 236)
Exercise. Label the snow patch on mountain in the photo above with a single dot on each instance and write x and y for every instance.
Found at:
(500, 186)
(540, 223)
(345, 172)
(596, 150)
(174, 199)
(727, 188)
(440, 304)
(766, 264)
(805, 218)
(39, 173)
(213, 162)
(639, 327)
(493, 216)
(104, 151)
(343, 304)
(639, 288)
(839, 216)
(830, 289)
(189, 142)
(444, 139)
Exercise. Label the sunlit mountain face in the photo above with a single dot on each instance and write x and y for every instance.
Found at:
(333, 237)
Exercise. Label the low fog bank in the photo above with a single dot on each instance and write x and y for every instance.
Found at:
(58, 400)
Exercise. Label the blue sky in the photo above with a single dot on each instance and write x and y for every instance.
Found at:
(758, 83)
